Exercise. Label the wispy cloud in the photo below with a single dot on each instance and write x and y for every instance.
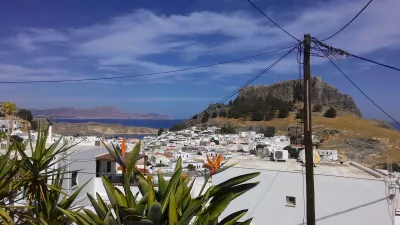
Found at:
(130, 43)
(29, 39)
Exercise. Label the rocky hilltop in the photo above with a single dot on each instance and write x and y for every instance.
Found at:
(288, 91)
(278, 108)
(269, 99)
(106, 112)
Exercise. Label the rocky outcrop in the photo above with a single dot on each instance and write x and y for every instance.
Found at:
(322, 93)
(97, 129)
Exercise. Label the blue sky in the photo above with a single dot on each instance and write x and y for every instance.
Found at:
(83, 39)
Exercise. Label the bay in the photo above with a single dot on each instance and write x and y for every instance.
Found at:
(127, 122)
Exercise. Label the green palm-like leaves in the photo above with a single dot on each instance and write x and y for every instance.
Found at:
(39, 179)
(170, 203)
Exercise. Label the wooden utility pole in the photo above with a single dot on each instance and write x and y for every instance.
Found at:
(308, 133)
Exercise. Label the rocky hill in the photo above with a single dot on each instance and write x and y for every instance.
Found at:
(279, 106)
(291, 91)
(106, 112)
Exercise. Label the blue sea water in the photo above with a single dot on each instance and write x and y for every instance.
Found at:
(127, 122)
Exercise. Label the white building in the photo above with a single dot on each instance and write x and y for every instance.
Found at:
(279, 141)
(344, 194)
(328, 155)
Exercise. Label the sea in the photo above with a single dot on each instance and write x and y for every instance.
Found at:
(128, 122)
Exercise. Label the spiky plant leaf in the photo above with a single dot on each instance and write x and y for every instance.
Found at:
(232, 218)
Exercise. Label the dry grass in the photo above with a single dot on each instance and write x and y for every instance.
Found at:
(352, 125)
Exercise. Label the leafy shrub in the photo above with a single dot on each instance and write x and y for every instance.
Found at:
(330, 113)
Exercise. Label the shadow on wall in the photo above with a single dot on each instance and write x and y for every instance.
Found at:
(347, 210)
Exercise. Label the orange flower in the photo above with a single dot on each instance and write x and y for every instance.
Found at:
(213, 165)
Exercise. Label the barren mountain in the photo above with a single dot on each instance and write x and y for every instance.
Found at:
(106, 112)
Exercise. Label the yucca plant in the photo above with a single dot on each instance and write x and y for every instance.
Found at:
(8, 186)
(169, 203)
(40, 178)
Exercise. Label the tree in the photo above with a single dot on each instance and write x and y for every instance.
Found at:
(8, 109)
(268, 131)
(25, 114)
(177, 127)
(228, 129)
(34, 125)
(330, 113)
(283, 113)
(230, 103)
(214, 114)
(300, 114)
(205, 117)
(191, 167)
(257, 116)
(195, 117)
(317, 108)
(270, 115)
(222, 113)
(160, 131)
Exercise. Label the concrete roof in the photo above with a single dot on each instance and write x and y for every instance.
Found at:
(324, 168)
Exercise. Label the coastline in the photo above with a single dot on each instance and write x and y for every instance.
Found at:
(100, 129)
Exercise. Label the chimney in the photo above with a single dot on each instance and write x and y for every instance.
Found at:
(50, 134)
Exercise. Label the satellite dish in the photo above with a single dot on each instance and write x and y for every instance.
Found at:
(316, 156)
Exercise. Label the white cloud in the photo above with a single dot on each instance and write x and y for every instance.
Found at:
(50, 59)
(127, 44)
(29, 38)
(10, 72)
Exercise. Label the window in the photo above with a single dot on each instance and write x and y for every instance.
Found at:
(108, 167)
(290, 201)
(97, 168)
(74, 178)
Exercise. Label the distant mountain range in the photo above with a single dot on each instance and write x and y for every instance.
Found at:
(106, 112)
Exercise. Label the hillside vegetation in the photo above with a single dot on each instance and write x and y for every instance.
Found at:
(336, 119)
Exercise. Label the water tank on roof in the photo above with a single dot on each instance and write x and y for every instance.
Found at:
(316, 156)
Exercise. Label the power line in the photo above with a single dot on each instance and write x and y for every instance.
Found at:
(273, 21)
(372, 61)
(355, 85)
(224, 99)
(146, 74)
(348, 22)
(254, 78)
(266, 190)
(340, 52)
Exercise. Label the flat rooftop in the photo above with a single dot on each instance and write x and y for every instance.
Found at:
(324, 168)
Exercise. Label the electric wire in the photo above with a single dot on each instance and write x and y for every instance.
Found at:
(146, 74)
(224, 99)
(273, 21)
(266, 190)
(372, 61)
(362, 92)
(355, 17)
(254, 78)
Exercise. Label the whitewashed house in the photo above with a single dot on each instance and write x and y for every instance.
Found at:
(328, 155)
(344, 194)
